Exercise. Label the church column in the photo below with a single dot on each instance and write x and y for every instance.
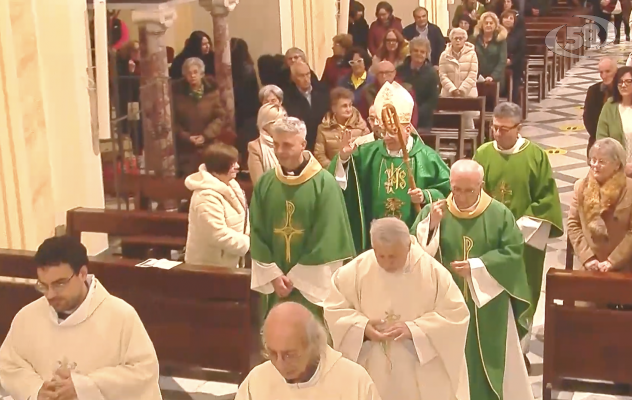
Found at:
(219, 10)
(155, 89)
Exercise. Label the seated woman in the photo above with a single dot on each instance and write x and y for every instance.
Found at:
(600, 217)
(343, 117)
(219, 233)
(490, 41)
(261, 156)
(198, 115)
(615, 120)
(359, 76)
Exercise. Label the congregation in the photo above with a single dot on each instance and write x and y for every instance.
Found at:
(385, 267)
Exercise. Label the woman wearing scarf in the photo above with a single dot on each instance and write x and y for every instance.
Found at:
(599, 220)
(261, 156)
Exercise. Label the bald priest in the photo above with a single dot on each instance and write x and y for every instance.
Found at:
(301, 365)
(77, 341)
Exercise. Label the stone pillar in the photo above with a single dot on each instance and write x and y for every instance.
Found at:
(155, 89)
(219, 10)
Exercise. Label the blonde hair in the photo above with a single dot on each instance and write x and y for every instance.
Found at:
(269, 114)
(610, 148)
(481, 22)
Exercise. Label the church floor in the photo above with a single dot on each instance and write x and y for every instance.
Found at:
(555, 124)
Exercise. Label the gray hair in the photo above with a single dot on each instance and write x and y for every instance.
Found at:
(296, 51)
(420, 42)
(510, 110)
(192, 62)
(457, 30)
(267, 89)
(465, 165)
(612, 149)
(389, 231)
(289, 125)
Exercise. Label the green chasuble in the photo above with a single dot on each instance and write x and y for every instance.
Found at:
(523, 181)
(377, 185)
(298, 220)
(490, 234)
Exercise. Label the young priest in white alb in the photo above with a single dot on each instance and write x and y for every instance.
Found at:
(77, 341)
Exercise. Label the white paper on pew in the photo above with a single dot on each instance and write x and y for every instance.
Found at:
(162, 263)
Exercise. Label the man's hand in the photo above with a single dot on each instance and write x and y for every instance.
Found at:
(282, 286)
(462, 268)
(398, 331)
(416, 195)
(197, 140)
(591, 265)
(436, 213)
(65, 390)
(373, 331)
(347, 146)
(47, 391)
(605, 266)
(489, 79)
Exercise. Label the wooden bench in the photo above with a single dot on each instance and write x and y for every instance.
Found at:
(199, 318)
(584, 343)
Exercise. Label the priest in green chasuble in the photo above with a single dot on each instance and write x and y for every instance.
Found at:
(397, 312)
(374, 176)
(476, 238)
(518, 174)
(299, 230)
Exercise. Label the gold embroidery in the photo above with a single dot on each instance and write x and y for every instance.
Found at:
(390, 318)
(468, 244)
(392, 206)
(395, 179)
(504, 193)
(288, 231)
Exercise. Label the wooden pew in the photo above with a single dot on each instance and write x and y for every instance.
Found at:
(198, 317)
(583, 342)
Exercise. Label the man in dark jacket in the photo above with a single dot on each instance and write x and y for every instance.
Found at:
(597, 96)
(422, 28)
(306, 101)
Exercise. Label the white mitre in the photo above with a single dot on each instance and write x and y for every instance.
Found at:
(398, 96)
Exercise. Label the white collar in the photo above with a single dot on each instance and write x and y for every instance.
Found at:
(515, 149)
(82, 312)
(399, 153)
(470, 208)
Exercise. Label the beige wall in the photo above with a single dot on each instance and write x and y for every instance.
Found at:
(48, 163)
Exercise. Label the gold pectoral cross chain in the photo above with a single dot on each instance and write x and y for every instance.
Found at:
(287, 230)
(468, 243)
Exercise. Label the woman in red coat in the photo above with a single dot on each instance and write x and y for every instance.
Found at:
(384, 22)
(335, 66)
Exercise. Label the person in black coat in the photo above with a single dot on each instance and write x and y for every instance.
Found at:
(306, 101)
(292, 56)
(596, 97)
(245, 89)
(516, 49)
(421, 27)
(358, 27)
(198, 45)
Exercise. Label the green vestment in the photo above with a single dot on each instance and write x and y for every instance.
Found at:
(377, 185)
(298, 220)
(523, 181)
(491, 235)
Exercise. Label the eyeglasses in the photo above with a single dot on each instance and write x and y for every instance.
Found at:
(504, 129)
(458, 38)
(625, 82)
(55, 286)
(599, 162)
(356, 62)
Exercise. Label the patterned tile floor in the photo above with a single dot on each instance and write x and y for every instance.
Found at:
(555, 123)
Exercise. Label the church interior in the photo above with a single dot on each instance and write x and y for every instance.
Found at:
(61, 127)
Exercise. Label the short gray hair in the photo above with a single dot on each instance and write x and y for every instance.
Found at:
(463, 165)
(389, 231)
(420, 42)
(192, 61)
(457, 30)
(289, 125)
(612, 149)
(267, 89)
(508, 109)
(315, 336)
(296, 51)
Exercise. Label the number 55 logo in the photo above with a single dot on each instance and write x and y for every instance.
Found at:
(577, 36)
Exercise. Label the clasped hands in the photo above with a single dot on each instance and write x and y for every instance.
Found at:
(283, 286)
(60, 387)
(594, 265)
(381, 331)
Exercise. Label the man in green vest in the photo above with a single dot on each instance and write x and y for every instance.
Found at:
(476, 238)
(375, 178)
(299, 229)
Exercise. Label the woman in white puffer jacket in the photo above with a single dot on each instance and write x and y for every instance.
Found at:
(219, 232)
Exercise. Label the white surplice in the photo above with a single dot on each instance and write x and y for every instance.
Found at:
(104, 340)
(335, 379)
(425, 297)
(484, 288)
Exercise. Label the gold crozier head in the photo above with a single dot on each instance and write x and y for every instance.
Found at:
(390, 119)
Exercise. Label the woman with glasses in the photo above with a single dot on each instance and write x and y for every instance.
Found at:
(600, 216)
(615, 120)
(359, 61)
(385, 21)
(394, 48)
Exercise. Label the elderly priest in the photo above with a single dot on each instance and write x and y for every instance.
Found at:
(77, 341)
(375, 176)
(477, 240)
(396, 311)
(302, 366)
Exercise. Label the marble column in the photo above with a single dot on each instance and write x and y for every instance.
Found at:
(219, 10)
(155, 89)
